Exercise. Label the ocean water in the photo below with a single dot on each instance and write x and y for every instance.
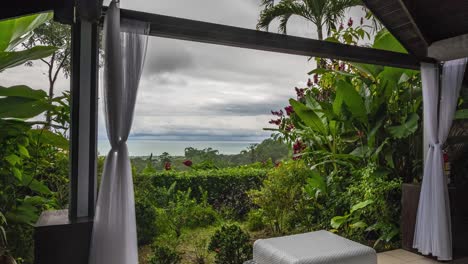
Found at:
(144, 147)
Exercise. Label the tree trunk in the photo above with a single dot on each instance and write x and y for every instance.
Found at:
(319, 32)
(321, 64)
(48, 113)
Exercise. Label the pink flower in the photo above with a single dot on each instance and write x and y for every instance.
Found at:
(289, 127)
(300, 92)
(341, 26)
(277, 113)
(309, 83)
(188, 163)
(167, 166)
(350, 22)
(298, 147)
(316, 79)
(342, 66)
(276, 122)
(289, 110)
(446, 157)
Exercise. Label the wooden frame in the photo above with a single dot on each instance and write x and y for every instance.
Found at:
(192, 30)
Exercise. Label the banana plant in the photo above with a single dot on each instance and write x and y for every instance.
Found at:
(14, 33)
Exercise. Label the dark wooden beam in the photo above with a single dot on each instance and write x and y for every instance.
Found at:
(185, 29)
(84, 112)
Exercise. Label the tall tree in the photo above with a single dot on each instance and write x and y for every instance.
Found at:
(57, 35)
(322, 13)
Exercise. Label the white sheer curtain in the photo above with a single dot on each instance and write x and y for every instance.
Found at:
(433, 227)
(114, 239)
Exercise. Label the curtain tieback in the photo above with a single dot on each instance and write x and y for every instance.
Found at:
(117, 145)
(436, 145)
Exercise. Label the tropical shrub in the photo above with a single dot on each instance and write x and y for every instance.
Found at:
(255, 220)
(146, 216)
(352, 220)
(282, 198)
(226, 188)
(185, 212)
(357, 129)
(231, 245)
(33, 160)
(164, 255)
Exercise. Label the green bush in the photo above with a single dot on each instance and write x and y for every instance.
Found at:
(185, 212)
(282, 198)
(164, 255)
(146, 216)
(226, 188)
(231, 245)
(151, 219)
(255, 221)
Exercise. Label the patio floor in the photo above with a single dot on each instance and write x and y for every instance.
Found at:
(401, 256)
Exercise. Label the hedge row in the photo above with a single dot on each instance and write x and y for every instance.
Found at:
(226, 188)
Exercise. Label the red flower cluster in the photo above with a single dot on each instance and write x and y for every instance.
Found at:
(341, 26)
(276, 122)
(167, 166)
(350, 22)
(298, 147)
(188, 163)
(289, 110)
(277, 113)
(300, 92)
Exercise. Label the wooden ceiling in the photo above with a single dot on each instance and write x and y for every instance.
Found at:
(440, 19)
(63, 9)
(418, 23)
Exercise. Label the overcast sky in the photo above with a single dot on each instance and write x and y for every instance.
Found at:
(197, 91)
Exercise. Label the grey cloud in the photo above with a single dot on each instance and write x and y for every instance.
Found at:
(245, 108)
(166, 55)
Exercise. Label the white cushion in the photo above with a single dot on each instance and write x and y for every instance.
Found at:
(320, 247)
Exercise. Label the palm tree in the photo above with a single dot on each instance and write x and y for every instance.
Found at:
(322, 13)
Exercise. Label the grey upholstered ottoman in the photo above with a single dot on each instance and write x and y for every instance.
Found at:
(321, 247)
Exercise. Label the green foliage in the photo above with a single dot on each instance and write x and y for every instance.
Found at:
(321, 13)
(33, 161)
(146, 220)
(225, 188)
(185, 212)
(164, 255)
(16, 31)
(231, 245)
(351, 220)
(282, 197)
(14, 58)
(22, 102)
(347, 127)
(255, 220)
